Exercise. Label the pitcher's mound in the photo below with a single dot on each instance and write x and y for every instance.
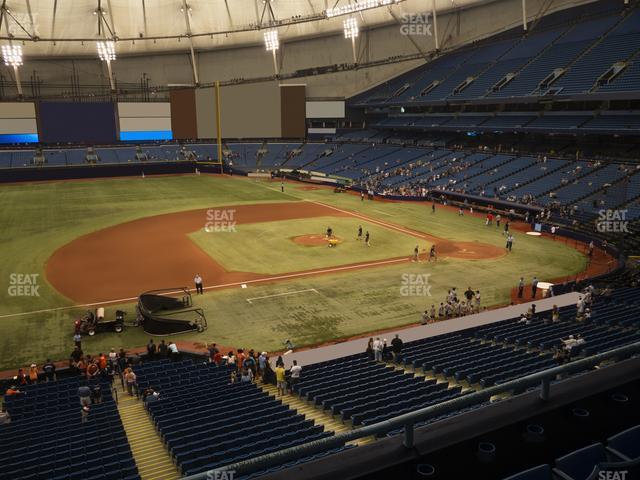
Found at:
(315, 240)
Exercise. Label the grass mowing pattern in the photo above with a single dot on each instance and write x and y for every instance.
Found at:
(38, 218)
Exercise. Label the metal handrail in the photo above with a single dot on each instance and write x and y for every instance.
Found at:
(408, 420)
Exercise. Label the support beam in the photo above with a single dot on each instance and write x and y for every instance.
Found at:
(110, 73)
(18, 82)
(219, 125)
(275, 62)
(354, 49)
(524, 15)
(194, 65)
(435, 25)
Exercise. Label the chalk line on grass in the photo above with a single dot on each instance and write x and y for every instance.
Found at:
(284, 294)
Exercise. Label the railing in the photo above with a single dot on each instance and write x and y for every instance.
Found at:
(409, 420)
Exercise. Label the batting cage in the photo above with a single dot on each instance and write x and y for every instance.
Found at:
(169, 311)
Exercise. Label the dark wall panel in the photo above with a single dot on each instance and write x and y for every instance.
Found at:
(62, 122)
(183, 114)
(293, 110)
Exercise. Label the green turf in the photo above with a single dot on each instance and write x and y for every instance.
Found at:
(38, 218)
(269, 248)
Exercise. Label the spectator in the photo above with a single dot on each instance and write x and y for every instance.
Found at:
(76, 355)
(92, 368)
(113, 358)
(96, 394)
(162, 349)
(212, 349)
(151, 349)
(21, 378)
(555, 314)
(262, 360)
(49, 370)
(102, 361)
(280, 362)
(84, 413)
(5, 418)
(217, 358)
(174, 353)
(281, 383)
(150, 395)
(560, 356)
(246, 376)
(130, 381)
(396, 347)
(377, 349)
(84, 393)
(33, 373)
(268, 376)
(369, 350)
(295, 371)
(12, 390)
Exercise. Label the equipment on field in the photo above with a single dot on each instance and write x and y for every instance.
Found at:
(92, 322)
(169, 311)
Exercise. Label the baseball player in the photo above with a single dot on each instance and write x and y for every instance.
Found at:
(416, 254)
(432, 253)
(359, 232)
(367, 238)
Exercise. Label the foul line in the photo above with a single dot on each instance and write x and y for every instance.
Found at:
(224, 285)
(250, 300)
(390, 226)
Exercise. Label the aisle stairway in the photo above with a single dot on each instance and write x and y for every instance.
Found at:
(311, 412)
(151, 456)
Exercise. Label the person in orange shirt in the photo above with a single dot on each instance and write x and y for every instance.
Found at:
(12, 390)
(33, 373)
(102, 361)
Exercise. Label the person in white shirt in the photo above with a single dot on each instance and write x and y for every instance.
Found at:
(173, 351)
(295, 371)
(198, 281)
(377, 349)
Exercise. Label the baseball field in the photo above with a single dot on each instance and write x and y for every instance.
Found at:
(268, 272)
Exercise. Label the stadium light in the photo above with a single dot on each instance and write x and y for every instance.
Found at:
(107, 54)
(272, 43)
(351, 28)
(12, 55)
(351, 31)
(106, 50)
(357, 7)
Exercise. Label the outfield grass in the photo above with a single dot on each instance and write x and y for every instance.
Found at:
(268, 247)
(38, 218)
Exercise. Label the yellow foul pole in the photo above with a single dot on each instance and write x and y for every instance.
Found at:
(219, 126)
